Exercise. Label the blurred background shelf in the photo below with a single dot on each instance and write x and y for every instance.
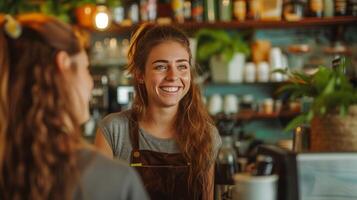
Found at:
(248, 24)
(251, 115)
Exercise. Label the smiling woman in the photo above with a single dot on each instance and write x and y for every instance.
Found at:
(168, 135)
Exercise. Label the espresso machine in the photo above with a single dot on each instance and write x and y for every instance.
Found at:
(313, 175)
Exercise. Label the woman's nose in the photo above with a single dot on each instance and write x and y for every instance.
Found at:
(172, 74)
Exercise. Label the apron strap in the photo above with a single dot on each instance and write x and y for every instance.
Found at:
(134, 140)
(134, 132)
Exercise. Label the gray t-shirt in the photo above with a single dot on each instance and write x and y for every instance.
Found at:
(115, 128)
(104, 178)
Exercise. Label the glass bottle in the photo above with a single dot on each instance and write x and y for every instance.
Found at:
(340, 7)
(225, 10)
(294, 10)
(164, 10)
(316, 8)
(255, 9)
(328, 8)
(197, 10)
(240, 9)
(177, 8)
(187, 10)
(226, 163)
(210, 10)
(352, 5)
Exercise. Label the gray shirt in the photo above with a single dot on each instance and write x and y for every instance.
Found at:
(115, 128)
(104, 178)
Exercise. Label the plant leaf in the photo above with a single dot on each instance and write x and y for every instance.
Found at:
(320, 78)
(297, 121)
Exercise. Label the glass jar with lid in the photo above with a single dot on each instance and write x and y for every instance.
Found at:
(294, 10)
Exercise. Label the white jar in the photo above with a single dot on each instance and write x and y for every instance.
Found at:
(276, 62)
(230, 104)
(263, 72)
(215, 104)
(249, 75)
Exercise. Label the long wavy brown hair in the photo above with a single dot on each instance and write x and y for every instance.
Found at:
(193, 124)
(39, 134)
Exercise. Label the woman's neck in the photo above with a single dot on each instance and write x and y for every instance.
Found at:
(159, 122)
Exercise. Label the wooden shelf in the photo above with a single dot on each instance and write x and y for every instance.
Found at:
(271, 83)
(249, 24)
(251, 115)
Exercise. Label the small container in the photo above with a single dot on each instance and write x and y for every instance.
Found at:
(263, 72)
(352, 11)
(134, 13)
(264, 166)
(278, 104)
(210, 10)
(240, 9)
(255, 9)
(268, 105)
(177, 8)
(316, 8)
(250, 72)
(248, 187)
(197, 10)
(294, 10)
(215, 104)
(225, 10)
(340, 7)
(247, 102)
(187, 10)
(329, 8)
(118, 14)
(230, 104)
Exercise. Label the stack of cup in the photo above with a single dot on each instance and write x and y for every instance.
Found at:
(230, 104)
(249, 187)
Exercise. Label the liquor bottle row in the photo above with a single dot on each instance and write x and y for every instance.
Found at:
(230, 10)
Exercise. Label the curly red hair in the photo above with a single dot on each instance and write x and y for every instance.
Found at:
(39, 134)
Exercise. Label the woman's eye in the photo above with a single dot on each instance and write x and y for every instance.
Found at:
(182, 67)
(160, 67)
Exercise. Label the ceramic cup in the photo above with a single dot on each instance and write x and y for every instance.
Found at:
(215, 104)
(248, 187)
(230, 104)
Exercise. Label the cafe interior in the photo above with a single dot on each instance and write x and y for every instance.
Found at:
(288, 125)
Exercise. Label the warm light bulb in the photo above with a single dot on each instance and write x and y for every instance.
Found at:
(102, 18)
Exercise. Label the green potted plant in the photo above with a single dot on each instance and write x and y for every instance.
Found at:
(225, 52)
(332, 113)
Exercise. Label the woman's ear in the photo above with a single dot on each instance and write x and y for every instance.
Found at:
(63, 61)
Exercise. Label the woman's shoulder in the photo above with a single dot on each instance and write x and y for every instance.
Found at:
(93, 160)
(216, 139)
(116, 117)
(105, 177)
(214, 133)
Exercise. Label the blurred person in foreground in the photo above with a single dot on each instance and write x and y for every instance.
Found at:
(45, 90)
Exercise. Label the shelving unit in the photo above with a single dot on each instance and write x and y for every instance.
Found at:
(249, 24)
(251, 115)
(265, 126)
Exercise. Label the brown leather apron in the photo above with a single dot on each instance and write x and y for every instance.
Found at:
(165, 175)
